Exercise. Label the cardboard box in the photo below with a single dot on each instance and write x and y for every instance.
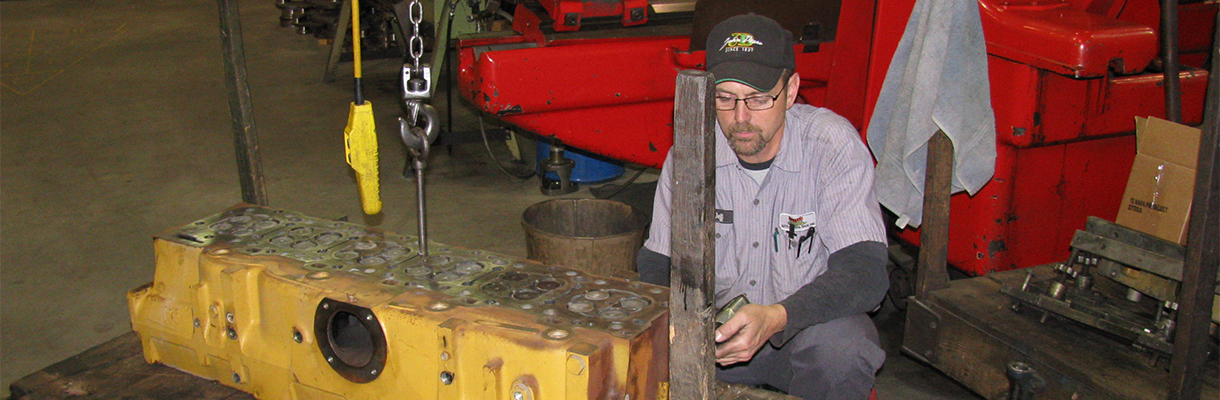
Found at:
(1162, 183)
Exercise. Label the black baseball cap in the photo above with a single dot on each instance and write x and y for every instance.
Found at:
(751, 49)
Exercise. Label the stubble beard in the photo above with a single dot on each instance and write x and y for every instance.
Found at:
(746, 146)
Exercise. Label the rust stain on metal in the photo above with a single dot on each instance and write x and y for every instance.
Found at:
(510, 110)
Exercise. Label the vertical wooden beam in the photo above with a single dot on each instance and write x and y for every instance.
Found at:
(931, 273)
(692, 239)
(1202, 255)
(245, 136)
(337, 43)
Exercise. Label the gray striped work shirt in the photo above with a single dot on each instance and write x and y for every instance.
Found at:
(821, 180)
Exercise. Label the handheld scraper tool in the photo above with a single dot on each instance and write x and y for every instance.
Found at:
(360, 136)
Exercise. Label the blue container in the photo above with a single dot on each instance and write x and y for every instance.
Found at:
(589, 167)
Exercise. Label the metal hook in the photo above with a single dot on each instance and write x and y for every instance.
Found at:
(419, 137)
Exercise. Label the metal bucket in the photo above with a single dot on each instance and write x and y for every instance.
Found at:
(600, 237)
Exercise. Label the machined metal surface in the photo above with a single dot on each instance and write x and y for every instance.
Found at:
(557, 296)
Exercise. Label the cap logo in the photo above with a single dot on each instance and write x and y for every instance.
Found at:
(739, 41)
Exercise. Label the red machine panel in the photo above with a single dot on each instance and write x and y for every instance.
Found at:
(1067, 78)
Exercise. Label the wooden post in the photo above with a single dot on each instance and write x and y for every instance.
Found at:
(1202, 254)
(931, 273)
(336, 44)
(245, 137)
(692, 239)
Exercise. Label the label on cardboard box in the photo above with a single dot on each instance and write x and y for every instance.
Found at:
(1162, 182)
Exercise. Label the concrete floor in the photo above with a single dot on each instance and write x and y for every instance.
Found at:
(115, 126)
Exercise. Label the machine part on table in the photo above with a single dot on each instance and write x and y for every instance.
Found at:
(1091, 286)
(288, 306)
(1024, 382)
(561, 166)
(730, 309)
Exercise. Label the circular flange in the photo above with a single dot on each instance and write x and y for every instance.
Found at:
(351, 340)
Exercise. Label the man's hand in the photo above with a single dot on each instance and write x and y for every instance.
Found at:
(747, 331)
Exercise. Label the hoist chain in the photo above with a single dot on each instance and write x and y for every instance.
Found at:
(416, 12)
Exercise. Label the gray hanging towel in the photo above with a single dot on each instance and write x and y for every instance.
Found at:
(937, 80)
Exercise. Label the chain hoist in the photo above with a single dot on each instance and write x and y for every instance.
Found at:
(419, 129)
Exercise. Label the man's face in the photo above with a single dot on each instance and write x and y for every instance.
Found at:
(755, 135)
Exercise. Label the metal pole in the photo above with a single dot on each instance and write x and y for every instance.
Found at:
(245, 136)
(1169, 58)
(423, 219)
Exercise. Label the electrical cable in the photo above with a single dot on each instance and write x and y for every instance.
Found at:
(624, 185)
(496, 161)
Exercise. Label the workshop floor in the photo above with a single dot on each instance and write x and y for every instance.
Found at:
(116, 126)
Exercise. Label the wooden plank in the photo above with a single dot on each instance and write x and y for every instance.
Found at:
(931, 273)
(116, 369)
(692, 239)
(969, 331)
(1202, 255)
(241, 110)
(742, 392)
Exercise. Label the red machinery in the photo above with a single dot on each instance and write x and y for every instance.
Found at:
(1067, 78)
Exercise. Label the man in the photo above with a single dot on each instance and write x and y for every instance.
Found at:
(798, 229)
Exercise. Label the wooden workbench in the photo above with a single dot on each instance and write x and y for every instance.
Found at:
(969, 331)
(116, 369)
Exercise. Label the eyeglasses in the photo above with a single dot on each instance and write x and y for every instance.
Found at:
(754, 103)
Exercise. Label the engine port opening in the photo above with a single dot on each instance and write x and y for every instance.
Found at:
(351, 341)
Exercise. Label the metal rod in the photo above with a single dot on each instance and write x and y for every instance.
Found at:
(423, 220)
(245, 136)
(1169, 58)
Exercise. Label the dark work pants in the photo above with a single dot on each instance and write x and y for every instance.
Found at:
(835, 360)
